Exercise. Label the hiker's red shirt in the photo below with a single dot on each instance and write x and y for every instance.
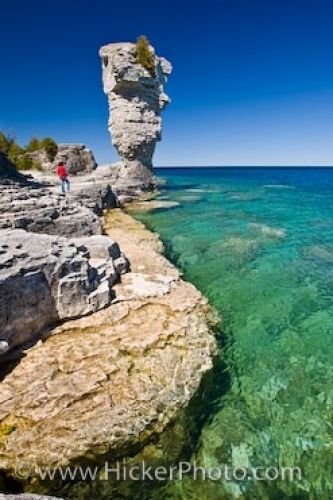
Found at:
(62, 172)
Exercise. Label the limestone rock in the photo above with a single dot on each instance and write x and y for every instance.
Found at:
(136, 98)
(92, 190)
(41, 158)
(112, 384)
(96, 196)
(77, 157)
(44, 279)
(37, 205)
(34, 208)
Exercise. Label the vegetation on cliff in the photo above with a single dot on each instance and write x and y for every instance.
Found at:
(47, 144)
(144, 55)
(25, 158)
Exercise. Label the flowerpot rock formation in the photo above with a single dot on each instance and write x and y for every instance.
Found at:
(136, 98)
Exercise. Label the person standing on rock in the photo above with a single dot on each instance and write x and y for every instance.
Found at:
(63, 176)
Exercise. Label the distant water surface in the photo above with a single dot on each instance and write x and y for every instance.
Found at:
(258, 242)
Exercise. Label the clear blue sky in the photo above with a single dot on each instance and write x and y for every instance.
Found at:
(252, 81)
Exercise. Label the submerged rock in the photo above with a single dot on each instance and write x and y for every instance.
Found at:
(151, 205)
(320, 253)
(136, 98)
(270, 232)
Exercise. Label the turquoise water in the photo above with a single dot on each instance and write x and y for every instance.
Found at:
(259, 244)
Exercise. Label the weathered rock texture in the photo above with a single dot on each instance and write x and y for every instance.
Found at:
(39, 207)
(114, 383)
(78, 158)
(136, 98)
(44, 279)
(41, 158)
(36, 209)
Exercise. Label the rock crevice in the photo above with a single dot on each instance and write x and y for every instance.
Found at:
(54, 262)
(44, 279)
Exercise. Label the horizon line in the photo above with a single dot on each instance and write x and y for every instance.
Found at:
(243, 166)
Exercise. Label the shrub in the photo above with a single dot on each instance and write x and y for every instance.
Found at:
(50, 147)
(34, 144)
(48, 144)
(20, 156)
(26, 163)
(5, 143)
(14, 152)
(144, 55)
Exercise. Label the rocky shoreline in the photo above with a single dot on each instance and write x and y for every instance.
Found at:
(104, 349)
(114, 384)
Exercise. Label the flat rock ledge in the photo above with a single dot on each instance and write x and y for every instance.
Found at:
(33, 206)
(112, 385)
(33, 202)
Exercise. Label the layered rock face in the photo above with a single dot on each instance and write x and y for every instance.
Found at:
(77, 157)
(54, 263)
(36, 209)
(104, 386)
(111, 385)
(125, 382)
(44, 279)
(39, 207)
(136, 98)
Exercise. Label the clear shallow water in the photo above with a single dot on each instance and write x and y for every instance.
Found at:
(259, 244)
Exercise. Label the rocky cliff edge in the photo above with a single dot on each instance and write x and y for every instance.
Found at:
(114, 384)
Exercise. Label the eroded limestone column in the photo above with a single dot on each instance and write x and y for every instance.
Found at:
(136, 98)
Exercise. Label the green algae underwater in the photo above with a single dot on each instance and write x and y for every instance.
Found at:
(258, 242)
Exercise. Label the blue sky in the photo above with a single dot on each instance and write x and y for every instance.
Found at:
(252, 81)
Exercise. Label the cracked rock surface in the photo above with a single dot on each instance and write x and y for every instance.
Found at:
(35, 203)
(78, 159)
(44, 279)
(54, 262)
(111, 382)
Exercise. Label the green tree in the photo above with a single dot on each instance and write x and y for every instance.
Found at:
(144, 55)
(34, 144)
(5, 143)
(23, 162)
(14, 152)
(50, 147)
(20, 157)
